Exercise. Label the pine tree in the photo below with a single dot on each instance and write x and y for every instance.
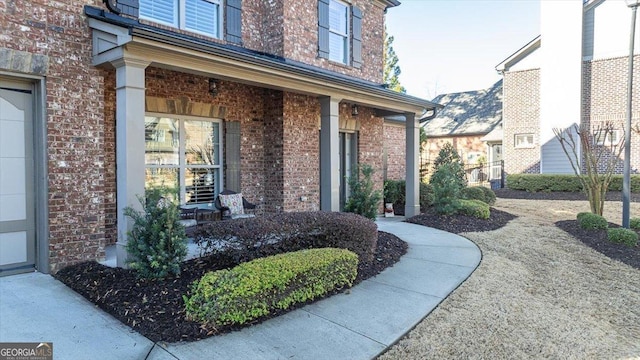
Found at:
(391, 74)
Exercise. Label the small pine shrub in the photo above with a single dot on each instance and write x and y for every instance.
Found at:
(426, 196)
(363, 200)
(394, 191)
(590, 221)
(634, 223)
(623, 236)
(475, 208)
(262, 286)
(157, 242)
(449, 155)
(582, 215)
(446, 188)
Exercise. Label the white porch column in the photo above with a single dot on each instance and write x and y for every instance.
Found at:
(412, 127)
(130, 100)
(329, 158)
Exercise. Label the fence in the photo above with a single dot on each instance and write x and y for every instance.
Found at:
(486, 174)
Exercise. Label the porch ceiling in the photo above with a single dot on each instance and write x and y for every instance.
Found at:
(117, 38)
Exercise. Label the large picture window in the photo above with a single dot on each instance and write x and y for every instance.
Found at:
(184, 154)
(201, 16)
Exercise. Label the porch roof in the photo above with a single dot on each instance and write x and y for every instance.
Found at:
(116, 37)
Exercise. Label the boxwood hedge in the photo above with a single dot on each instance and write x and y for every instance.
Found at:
(260, 287)
(569, 183)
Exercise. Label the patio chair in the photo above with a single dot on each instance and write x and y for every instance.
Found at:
(233, 205)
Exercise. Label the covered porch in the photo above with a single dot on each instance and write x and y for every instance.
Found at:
(279, 122)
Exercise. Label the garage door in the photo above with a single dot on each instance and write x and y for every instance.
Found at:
(17, 223)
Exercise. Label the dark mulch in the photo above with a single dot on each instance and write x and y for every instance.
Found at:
(462, 223)
(155, 308)
(525, 195)
(597, 240)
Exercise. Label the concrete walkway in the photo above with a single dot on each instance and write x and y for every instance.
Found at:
(357, 325)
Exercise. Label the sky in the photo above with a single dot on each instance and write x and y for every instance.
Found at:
(447, 46)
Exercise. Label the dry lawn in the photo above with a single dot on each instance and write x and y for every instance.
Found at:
(538, 293)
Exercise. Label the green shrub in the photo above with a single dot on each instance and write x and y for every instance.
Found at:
(581, 215)
(489, 195)
(247, 239)
(259, 287)
(590, 221)
(569, 183)
(475, 208)
(446, 188)
(623, 236)
(157, 242)
(394, 191)
(634, 223)
(449, 155)
(426, 196)
(473, 193)
(363, 199)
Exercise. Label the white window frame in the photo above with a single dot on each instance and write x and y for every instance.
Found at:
(519, 144)
(615, 133)
(182, 165)
(346, 36)
(180, 18)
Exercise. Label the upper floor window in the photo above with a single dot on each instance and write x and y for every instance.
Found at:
(201, 16)
(607, 137)
(523, 141)
(340, 32)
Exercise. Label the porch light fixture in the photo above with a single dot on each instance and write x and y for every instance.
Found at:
(354, 107)
(626, 180)
(213, 87)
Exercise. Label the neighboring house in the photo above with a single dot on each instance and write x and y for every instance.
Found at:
(466, 121)
(98, 101)
(575, 72)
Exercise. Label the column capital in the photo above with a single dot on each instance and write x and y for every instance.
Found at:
(129, 61)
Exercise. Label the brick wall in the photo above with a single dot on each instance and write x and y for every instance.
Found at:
(370, 148)
(394, 143)
(44, 38)
(604, 99)
(464, 145)
(262, 28)
(521, 115)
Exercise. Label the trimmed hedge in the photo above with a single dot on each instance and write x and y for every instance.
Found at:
(475, 208)
(634, 223)
(394, 192)
(260, 287)
(252, 238)
(568, 183)
(481, 193)
(623, 236)
(590, 221)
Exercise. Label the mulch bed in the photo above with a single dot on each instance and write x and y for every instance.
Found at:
(155, 308)
(597, 240)
(462, 223)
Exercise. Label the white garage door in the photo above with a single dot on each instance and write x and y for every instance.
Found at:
(17, 223)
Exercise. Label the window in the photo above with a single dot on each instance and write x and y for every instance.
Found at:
(606, 137)
(201, 16)
(338, 32)
(184, 154)
(524, 141)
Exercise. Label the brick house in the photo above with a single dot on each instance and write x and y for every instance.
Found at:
(276, 99)
(465, 121)
(575, 72)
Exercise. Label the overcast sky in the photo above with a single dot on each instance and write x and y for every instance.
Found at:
(447, 46)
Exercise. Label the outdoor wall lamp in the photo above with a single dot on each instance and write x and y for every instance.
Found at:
(354, 107)
(213, 87)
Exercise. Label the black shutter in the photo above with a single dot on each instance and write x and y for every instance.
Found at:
(356, 41)
(232, 158)
(323, 29)
(233, 12)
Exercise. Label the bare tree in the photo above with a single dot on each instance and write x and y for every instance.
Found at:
(600, 153)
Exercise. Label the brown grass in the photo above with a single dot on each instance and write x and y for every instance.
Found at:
(538, 293)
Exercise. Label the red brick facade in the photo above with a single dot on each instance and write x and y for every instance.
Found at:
(279, 129)
(395, 150)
